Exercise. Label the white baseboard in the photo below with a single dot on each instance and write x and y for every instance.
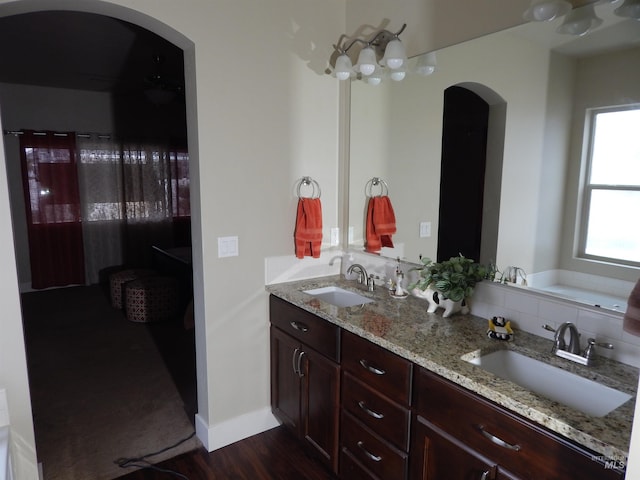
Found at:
(230, 431)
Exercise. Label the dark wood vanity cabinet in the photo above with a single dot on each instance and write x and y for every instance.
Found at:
(305, 377)
(370, 414)
(375, 413)
(457, 434)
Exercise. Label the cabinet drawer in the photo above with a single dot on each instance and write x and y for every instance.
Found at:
(384, 417)
(379, 457)
(319, 334)
(529, 451)
(350, 468)
(381, 369)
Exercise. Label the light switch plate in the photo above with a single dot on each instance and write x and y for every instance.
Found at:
(335, 236)
(227, 247)
(425, 229)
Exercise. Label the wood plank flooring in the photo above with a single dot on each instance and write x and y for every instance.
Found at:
(271, 455)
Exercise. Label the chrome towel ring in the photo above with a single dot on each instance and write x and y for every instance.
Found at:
(306, 182)
(373, 183)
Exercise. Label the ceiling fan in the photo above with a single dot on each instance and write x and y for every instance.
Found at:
(159, 88)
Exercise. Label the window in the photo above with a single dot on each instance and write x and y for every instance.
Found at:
(611, 205)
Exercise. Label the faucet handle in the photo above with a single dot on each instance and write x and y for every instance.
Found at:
(589, 352)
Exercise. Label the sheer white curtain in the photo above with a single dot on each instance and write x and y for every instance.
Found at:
(101, 194)
(126, 198)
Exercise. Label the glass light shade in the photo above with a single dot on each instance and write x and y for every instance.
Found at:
(398, 74)
(343, 67)
(367, 61)
(580, 21)
(546, 10)
(394, 55)
(426, 64)
(374, 80)
(376, 77)
(629, 8)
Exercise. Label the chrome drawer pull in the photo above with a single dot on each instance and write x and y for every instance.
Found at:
(299, 326)
(293, 361)
(498, 441)
(373, 457)
(300, 355)
(367, 410)
(375, 370)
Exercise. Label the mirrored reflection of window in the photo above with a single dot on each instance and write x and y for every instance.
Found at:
(611, 231)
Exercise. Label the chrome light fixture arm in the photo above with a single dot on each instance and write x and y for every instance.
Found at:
(374, 41)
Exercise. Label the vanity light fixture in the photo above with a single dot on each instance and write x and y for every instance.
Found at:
(546, 10)
(426, 64)
(579, 15)
(580, 21)
(383, 45)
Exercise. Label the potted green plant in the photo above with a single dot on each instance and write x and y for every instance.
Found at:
(455, 278)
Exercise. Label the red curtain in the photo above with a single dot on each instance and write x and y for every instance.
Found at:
(52, 201)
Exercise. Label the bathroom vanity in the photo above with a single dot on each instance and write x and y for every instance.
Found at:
(385, 390)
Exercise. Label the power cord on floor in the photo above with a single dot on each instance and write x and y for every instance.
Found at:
(141, 461)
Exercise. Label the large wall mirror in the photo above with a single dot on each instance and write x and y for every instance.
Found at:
(538, 85)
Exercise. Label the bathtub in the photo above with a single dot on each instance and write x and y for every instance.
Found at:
(594, 290)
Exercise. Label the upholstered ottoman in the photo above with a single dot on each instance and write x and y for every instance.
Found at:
(151, 299)
(119, 279)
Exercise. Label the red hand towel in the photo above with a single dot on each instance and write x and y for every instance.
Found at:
(631, 320)
(308, 232)
(380, 223)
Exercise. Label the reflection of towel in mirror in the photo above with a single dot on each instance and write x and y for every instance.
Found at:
(631, 321)
(308, 233)
(380, 223)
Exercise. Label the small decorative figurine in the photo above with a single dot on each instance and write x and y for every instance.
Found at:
(500, 329)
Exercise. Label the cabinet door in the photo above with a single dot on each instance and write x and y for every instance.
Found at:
(285, 379)
(320, 404)
(435, 455)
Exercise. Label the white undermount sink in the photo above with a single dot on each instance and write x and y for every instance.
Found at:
(554, 383)
(338, 296)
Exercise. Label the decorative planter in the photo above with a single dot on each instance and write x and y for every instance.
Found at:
(437, 300)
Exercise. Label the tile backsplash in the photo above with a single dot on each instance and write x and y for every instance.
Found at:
(529, 310)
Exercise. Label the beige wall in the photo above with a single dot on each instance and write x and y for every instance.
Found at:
(260, 116)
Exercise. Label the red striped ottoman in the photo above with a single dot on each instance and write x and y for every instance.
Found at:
(119, 279)
(152, 299)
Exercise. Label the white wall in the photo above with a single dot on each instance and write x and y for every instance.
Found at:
(598, 84)
(406, 137)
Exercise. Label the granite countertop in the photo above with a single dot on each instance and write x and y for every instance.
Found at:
(404, 327)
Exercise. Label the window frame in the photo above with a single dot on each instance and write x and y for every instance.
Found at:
(588, 188)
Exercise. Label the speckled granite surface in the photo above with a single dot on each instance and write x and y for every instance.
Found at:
(439, 344)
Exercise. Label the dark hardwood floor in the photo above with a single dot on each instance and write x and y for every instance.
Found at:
(271, 455)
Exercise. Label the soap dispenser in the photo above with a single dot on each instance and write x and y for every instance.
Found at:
(399, 292)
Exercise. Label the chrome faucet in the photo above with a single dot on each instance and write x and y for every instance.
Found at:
(572, 351)
(363, 277)
(574, 338)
